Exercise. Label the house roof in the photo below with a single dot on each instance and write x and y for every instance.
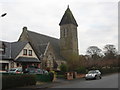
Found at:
(7, 54)
(39, 42)
(68, 18)
(16, 47)
(12, 49)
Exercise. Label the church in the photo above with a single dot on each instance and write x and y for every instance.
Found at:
(51, 52)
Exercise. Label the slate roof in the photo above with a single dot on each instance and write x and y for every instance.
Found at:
(68, 18)
(16, 47)
(7, 54)
(12, 49)
(39, 42)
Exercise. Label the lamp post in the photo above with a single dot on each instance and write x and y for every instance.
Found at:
(3, 15)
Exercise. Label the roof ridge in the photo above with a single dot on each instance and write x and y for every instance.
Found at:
(42, 34)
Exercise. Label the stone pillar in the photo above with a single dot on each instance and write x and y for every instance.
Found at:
(74, 74)
(69, 75)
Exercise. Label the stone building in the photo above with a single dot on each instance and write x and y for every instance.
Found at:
(52, 52)
(68, 36)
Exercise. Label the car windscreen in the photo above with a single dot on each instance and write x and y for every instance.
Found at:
(13, 69)
(91, 72)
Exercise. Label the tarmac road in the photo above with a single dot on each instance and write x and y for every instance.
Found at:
(110, 82)
(107, 81)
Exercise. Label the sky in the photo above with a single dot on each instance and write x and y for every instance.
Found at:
(97, 20)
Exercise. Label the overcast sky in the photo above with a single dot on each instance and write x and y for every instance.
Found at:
(97, 20)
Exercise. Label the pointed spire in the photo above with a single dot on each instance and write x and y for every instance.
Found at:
(68, 18)
(68, 6)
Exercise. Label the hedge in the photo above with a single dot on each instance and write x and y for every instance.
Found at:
(45, 77)
(10, 81)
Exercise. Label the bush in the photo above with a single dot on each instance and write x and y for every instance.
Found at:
(63, 68)
(51, 76)
(9, 81)
(45, 77)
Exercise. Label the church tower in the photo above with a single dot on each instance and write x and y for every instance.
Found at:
(68, 36)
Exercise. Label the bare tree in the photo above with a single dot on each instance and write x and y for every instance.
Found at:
(94, 52)
(110, 51)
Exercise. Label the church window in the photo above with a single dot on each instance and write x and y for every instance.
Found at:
(64, 33)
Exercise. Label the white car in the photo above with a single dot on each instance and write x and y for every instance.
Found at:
(93, 74)
(15, 70)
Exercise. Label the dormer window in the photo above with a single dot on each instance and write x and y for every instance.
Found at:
(24, 51)
(30, 52)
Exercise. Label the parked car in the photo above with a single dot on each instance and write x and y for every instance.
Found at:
(93, 74)
(45, 71)
(15, 70)
(35, 71)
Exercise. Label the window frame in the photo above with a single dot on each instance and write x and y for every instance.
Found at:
(30, 52)
(24, 51)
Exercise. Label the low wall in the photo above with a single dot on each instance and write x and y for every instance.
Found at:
(80, 75)
(73, 75)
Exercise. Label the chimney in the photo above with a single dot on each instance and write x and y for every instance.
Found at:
(24, 28)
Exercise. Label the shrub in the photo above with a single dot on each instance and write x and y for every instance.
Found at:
(51, 74)
(63, 68)
(45, 77)
(9, 81)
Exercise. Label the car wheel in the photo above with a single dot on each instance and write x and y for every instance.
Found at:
(97, 77)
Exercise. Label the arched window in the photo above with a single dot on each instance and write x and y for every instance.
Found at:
(64, 32)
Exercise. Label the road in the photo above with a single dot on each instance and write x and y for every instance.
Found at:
(107, 81)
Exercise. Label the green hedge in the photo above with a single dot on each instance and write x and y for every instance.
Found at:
(45, 77)
(9, 81)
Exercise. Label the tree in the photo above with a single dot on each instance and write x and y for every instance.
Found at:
(110, 51)
(94, 52)
(63, 68)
